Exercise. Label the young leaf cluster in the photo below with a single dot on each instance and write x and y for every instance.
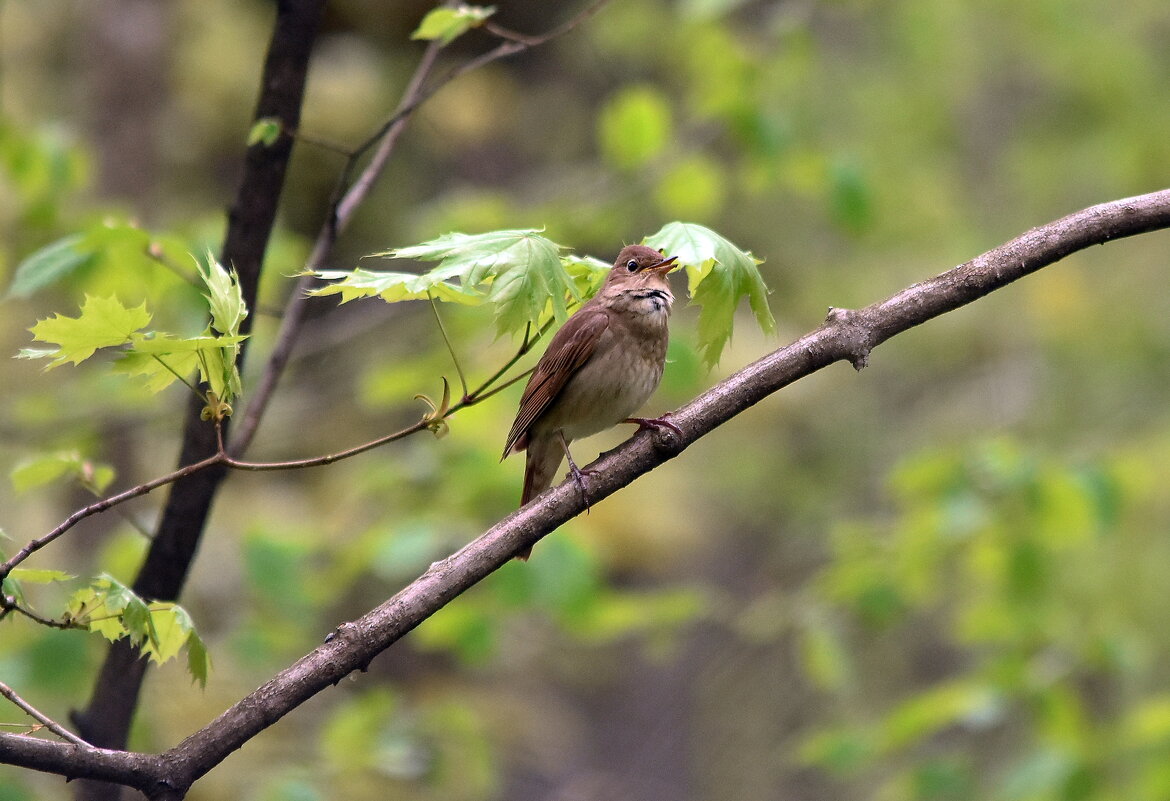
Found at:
(526, 279)
(157, 357)
(161, 630)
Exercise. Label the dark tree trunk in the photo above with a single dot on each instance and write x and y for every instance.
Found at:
(106, 722)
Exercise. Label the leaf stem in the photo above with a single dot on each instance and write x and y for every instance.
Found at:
(447, 342)
(183, 379)
(482, 395)
(480, 392)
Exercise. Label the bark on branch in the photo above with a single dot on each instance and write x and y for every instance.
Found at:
(847, 335)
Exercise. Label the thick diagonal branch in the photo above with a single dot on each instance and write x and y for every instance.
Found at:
(847, 335)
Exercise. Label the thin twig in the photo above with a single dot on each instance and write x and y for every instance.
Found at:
(181, 378)
(324, 144)
(478, 393)
(482, 395)
(387, 137)
(41, 717)
(340, 212)
(9, 604)
(101, 506)
(513, 43)
(533, 41)
(155, 253)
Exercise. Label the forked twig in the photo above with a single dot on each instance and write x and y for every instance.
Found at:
(41, 717)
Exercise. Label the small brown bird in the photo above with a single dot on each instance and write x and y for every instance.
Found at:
(603, 364)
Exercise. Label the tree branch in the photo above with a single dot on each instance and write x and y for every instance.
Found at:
(40, 717)
(337, 220)
(847, 335)
(100, 506)
(141, 771)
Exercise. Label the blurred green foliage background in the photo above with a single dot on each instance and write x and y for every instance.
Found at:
(943, 578)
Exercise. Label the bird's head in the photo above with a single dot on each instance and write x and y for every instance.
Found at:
(639, 265)
(638, 281)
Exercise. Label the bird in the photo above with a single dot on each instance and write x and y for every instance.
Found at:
(600, 367)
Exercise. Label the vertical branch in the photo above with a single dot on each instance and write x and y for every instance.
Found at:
(348, 201)
(106, 721)
(350, 197)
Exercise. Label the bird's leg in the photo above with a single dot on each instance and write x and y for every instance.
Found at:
(654, 422)
(578, 474)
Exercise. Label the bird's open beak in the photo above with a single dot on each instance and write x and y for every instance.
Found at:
(664, 266)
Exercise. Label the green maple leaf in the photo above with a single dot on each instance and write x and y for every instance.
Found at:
(198, 660)
(217, 366)
(518, 271)
(214, 356)
(100, 607)
(219, 359)
(587, 272)
(103, 323)
(163, 343)
(394, 286)
(522, 274)
(160, 629)
(719, 274)
(167, 628)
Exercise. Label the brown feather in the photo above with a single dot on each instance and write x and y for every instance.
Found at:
(569, 350)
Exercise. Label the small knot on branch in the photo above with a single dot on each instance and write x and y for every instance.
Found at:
(836, 315)
(854, 335)
(346, 631)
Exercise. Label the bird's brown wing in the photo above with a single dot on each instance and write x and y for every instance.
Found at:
(569, 350)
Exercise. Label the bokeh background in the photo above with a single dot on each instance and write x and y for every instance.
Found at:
(942, 578)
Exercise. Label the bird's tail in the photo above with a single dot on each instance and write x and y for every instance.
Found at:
(544, 456)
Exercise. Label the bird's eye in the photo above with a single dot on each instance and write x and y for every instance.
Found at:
(631, 265)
